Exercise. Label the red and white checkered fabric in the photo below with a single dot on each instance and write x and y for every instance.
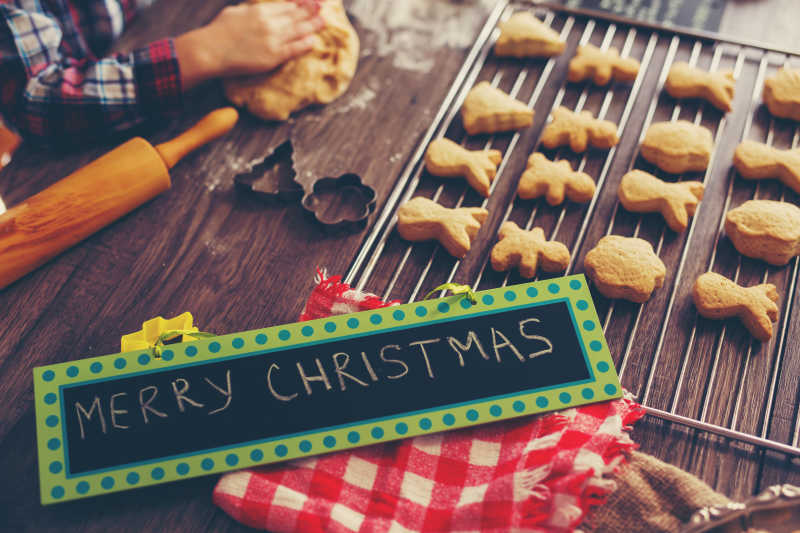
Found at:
(537, 473)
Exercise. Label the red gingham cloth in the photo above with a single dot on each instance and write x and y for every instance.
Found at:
(537, 473)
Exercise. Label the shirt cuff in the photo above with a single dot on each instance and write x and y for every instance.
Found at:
(158, 77)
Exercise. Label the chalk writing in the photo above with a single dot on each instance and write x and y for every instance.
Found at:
(695, 14)
(218, 403)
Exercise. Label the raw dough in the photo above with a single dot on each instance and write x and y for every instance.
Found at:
(317, 77)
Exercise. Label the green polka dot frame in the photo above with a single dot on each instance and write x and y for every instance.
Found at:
(128, 420)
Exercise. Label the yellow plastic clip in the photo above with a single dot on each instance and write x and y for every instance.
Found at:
(455, 288)
(148, 336)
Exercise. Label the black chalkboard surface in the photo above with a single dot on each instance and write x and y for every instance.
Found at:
(117, 421)
(694, 14)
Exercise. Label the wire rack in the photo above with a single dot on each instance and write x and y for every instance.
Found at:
(710, 375)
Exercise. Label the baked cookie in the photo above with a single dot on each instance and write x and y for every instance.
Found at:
(601, 66)
(527, 250)
(487, 109)
(766, 230)
(446, 158)
(421, 219)
(554, 180)
(678, 147)
(578, 130)
(641, 192)
(782, 94)
(685, 81)
(625, 267)
(717, 297)
(524, 35)
(316, 77)
(756, 161)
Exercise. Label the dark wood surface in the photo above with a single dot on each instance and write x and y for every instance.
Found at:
(237, 263)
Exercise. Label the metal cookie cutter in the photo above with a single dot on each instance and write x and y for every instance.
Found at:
(340, 203)
(273, 177)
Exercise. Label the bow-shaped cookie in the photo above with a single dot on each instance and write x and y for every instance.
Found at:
(756, 161)
(578, 130)
(554, 179)
(528, 250)
(685, 81)
(421, 219)
(446, 158)
(715, 296)
(641, 192)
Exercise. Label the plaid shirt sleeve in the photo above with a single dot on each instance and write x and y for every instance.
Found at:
(45, 93)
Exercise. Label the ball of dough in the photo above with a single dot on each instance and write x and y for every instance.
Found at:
(317, 77)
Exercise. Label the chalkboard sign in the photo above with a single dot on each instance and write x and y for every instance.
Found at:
(120, 421)
(693, 14)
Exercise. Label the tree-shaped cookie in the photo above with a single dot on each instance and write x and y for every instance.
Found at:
(554, 180)
(625, 267)
(641, 192)
(782, 94)
(527, 250)
(578, 130)
(487, 109)
(756, 161)
(601, 66)
(685, 81)
(717, 297)
(678, 147)
(446, 158)
(524, 35)
(421, 219)
(766, 230)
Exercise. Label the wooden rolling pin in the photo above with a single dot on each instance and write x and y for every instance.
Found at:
(94, 196)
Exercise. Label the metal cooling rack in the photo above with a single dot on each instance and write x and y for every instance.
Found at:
(708, 375)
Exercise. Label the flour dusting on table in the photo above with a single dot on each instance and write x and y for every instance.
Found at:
(408, 30)
(360, 100)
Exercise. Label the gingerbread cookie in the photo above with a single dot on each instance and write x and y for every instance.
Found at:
(524, 35)
(641, 192)
(554, 180)
(601, 66)
(782, 94)
(625, 267)
(717, 297)
(421, 219)
(578, 130)
(487, 109)
(527, 250)
(756, 161)
(446, 158)
(685, 81)
(678, 147)
(766, 230)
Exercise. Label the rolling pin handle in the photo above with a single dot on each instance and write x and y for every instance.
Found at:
(211, 127)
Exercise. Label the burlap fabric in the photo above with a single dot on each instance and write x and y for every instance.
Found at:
(652, 496)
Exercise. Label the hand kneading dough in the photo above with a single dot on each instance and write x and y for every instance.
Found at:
(317, 77)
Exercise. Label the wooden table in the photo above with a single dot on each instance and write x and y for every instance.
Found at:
(239, 264)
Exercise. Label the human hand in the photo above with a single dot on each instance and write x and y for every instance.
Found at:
(247, 39)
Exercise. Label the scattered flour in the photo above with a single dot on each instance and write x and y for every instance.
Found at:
(408, 30)
(358, 101)
(213, 182)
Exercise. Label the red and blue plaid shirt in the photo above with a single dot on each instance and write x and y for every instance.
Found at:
(56, 81)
